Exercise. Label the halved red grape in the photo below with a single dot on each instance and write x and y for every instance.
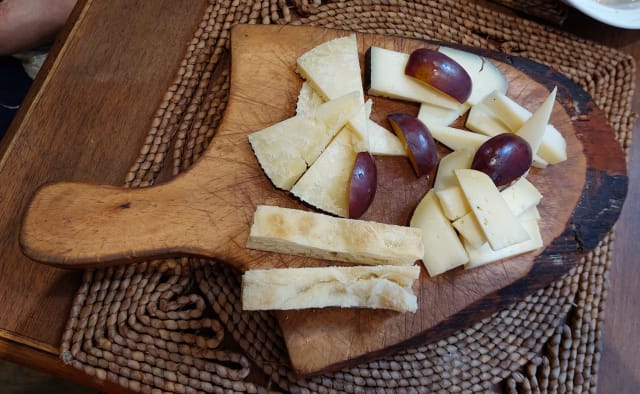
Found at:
(417, 141)
(441, 72)
(505, 158)
(364, 181)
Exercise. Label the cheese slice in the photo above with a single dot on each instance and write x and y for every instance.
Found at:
(443, 250)
(485, 255)
(485, 76)
(553, 147)
(325, 185)
(453, 202)
(379, 287)
(470, 231)
(383, 142)
(483, 121)
(534, 128)
(499, 225)
(456, 139)
(520, 197)
(445, 176)
(302, 233)
(285, 149)
(386, 77)
(333, 70)
(430, 114)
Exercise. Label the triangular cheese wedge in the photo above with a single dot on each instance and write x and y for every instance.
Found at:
(333, 69)
(442, 247)
(499, 225)
(534, 128)
(285, 149)
(326, 184)
(432, 115)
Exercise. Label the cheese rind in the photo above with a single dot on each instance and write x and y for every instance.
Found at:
(291, 231)
(386, 78)
(380, 287)
(443, 250)
(499, 225)
(325, 185)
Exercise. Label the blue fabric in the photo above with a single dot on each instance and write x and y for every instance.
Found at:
(14, 84)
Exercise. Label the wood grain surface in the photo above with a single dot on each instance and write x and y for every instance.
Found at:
(32, 320)
(209, 208)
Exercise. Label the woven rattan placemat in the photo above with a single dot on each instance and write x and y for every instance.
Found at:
(166, 325)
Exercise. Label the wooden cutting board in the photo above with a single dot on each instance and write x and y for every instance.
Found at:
(207, 211)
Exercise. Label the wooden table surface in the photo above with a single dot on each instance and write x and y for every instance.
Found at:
(114, 60)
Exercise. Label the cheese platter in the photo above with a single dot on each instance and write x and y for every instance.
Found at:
(208, 210)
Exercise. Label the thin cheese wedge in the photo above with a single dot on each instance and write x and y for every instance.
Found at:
(520, 197)
(379, 287)
(333, 70)
(285, 149)
(499, 225)
(485, 255)
(454, 204)
(443, 250)
(432, 115)
(553, 147)
(292, 231)
(445, 176)
(456, 139)
(325, 185)
(386, 77)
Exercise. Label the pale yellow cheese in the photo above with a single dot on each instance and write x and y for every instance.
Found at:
(445, 176)
(443, 250)
(383, 142)
(553, 147)
(285, 149)
(482, 120)
(325, 185)
(519, 196)
(485, 255)
(456, 139)
(534, 128)
(470, 230)
(308, 100)
(499, 225)
(311, 234)
(333, 69)
(453, 202)
(430, 114)
(485, 76)
(387, 79)
(379, 287)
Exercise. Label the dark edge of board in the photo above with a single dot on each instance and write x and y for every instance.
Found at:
(596, 212)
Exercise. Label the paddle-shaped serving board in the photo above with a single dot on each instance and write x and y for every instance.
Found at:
(208, 210)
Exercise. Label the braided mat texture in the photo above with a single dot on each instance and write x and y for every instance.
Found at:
(176, 325)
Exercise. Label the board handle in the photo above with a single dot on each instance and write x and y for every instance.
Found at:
(74, 225)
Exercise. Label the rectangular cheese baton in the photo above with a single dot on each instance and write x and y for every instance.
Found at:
(382, 287)
(310, 234)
